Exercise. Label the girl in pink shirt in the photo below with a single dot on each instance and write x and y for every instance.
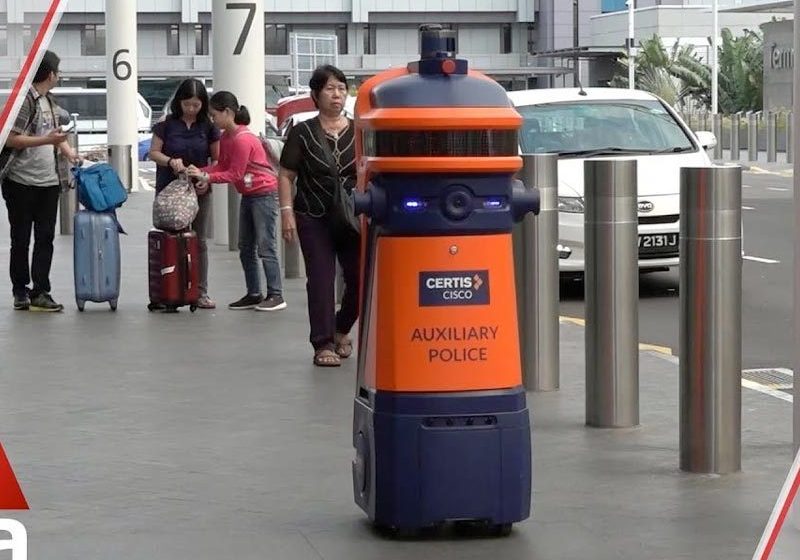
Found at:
(243, 163)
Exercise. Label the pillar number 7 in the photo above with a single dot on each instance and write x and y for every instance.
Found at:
(248, 23)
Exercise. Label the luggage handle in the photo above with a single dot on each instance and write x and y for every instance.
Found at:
(185, 272)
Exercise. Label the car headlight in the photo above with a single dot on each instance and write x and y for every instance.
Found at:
(571, 204)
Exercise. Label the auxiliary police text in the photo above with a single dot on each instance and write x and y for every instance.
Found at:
(446, 347)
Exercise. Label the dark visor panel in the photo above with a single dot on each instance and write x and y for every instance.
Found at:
(441, 143)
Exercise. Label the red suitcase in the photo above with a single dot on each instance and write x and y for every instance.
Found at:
(174, 273)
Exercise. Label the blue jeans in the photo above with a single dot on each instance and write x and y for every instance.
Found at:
(258, 219)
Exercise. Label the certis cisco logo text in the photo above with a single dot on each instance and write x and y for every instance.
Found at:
(453, 287)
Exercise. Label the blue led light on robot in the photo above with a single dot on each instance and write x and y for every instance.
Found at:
(493, 203)
(413, 204)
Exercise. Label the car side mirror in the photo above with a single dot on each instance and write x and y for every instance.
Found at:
(706, 139)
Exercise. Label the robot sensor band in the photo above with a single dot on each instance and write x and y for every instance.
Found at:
(437, 143)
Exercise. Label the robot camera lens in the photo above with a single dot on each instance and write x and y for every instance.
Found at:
(457, 204)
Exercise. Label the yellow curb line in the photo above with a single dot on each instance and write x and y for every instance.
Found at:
(644, 347)
(666, 350)
(761, 171)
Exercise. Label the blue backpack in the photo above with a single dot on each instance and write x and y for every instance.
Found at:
(99, 188)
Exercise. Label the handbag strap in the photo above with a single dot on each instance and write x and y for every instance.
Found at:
(319, 133)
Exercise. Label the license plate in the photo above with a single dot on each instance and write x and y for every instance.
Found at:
(658, 243)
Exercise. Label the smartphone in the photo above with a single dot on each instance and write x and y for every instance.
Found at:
(67, 127)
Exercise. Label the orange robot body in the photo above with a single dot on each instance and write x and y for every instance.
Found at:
(426, 343)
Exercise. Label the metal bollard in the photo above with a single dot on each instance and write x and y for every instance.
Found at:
(612, 293)
(716, 128)
(119, 156)
(772, 137)
(736, 153)
(68, 201)
(536, 266)
(292, 260)
(219, 207)
(711, 319)
(233, 218)
(752, 136)
(291, 256)
(789, 138)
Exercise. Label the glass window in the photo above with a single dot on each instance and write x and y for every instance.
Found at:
(201, 39)
(87, 105)
(633, 126)
(3, 42)
(93, 40)
(276, 39)
(323, 47)
(505, 38)
(341, 38)
(173, 40)
(369, 39)
(531, 38)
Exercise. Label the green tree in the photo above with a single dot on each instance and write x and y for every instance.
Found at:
(741, 72)
(675, 75)
(678, 75)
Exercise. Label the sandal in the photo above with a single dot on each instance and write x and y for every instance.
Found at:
(344, 346)
(326, 358)
(205, 302)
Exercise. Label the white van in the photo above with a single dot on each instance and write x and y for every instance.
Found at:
(90, 104)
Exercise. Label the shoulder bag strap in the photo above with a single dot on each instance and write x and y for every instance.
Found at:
(33, 112)
(316, 128)
(253, 163)
(10, 153)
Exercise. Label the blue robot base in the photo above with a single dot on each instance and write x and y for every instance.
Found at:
(423, 459)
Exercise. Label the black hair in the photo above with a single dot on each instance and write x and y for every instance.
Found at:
(49, 63)
(186, 90)
(226, 100)
(321, 76)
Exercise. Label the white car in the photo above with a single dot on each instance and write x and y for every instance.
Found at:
(599, 122)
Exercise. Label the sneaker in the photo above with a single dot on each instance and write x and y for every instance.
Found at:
(22, 303)
(272, 303)
(43, 302)
(247, 302)
(205, 302)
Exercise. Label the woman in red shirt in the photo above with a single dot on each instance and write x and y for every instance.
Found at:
(243, 163)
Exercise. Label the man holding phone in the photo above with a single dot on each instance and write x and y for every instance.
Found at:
(31, 187)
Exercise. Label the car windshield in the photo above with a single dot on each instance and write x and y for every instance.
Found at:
(588, 128)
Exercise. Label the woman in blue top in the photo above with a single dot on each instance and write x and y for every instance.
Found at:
(187, 137)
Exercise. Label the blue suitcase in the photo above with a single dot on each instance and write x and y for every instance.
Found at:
(97, 258)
